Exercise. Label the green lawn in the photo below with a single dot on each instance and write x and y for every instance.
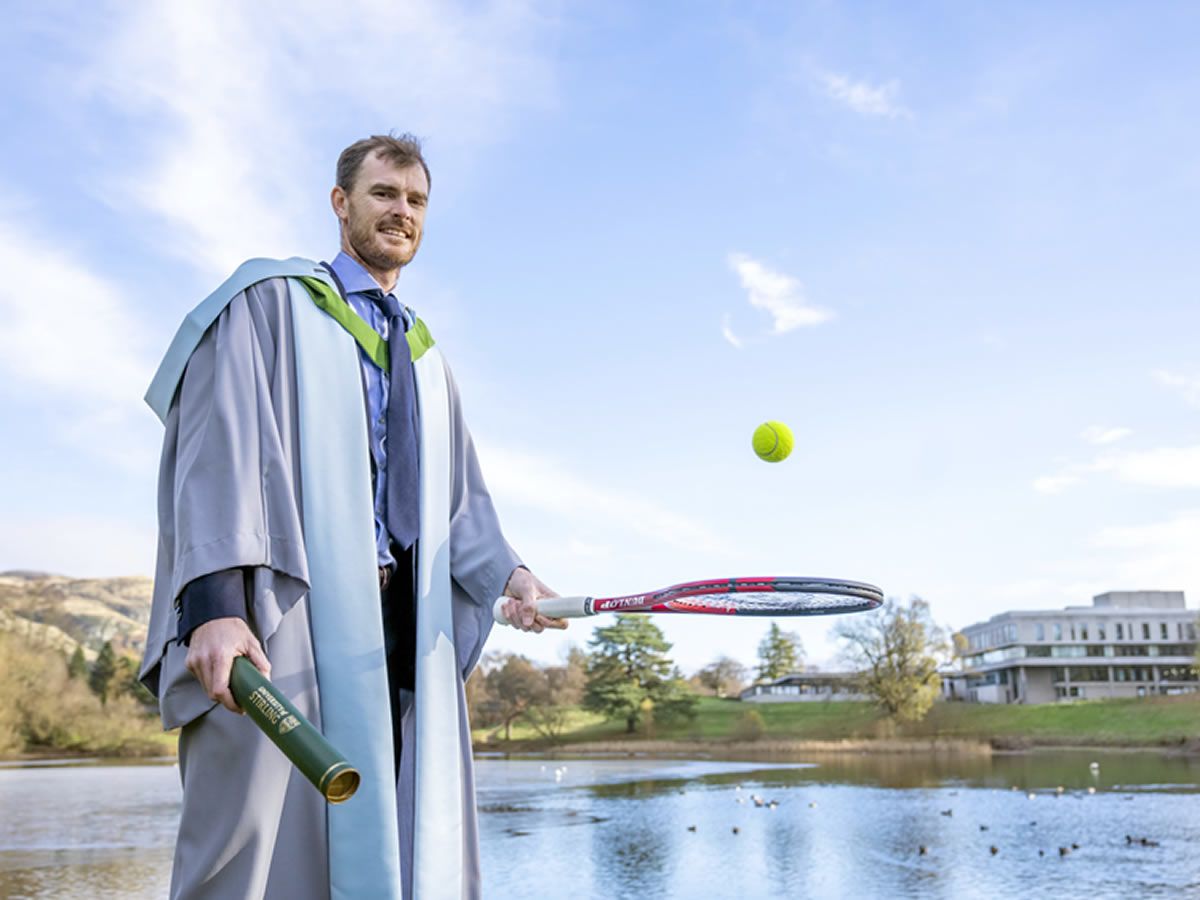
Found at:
(1141, 722)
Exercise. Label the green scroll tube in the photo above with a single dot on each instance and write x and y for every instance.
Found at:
(297, 737)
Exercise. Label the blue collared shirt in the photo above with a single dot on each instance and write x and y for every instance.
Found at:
(356, 281)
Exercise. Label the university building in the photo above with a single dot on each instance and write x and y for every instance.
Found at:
(1126, 644)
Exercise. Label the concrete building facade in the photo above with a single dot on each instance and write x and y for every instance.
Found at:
(1126, 644)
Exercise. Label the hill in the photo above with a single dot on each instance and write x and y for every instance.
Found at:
(67, 612)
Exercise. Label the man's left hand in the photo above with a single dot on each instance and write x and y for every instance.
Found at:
(526, 589)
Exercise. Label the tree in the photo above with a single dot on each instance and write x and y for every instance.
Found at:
(125, 681)
(77, 667)
(723, 677)
(630, 674)
(514, 686)
(562, 691)
(780, 653)
(1196, 663)
(896, 651)
(103, 670)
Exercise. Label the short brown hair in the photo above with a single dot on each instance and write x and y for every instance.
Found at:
(401, 151)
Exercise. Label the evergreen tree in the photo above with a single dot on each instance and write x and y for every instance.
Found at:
(630, 674)
(103, 670)
(125, 681)
(780, 653)
(77, 667)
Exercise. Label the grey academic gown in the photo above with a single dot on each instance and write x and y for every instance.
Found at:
(251, 825)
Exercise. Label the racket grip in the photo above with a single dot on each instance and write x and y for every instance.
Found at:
(555, 607)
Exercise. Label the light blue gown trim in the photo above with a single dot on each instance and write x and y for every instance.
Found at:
(339, 533)
(162, 389)
(438, 836)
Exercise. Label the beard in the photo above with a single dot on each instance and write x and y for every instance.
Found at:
(374, 250)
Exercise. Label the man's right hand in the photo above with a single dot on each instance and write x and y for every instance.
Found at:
(212, 650)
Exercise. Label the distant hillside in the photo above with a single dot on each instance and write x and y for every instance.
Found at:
(66, 612)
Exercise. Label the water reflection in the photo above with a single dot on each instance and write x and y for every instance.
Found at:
(843, 826)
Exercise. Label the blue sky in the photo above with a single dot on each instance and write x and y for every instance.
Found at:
(952, 245)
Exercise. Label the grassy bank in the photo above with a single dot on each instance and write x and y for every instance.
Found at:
(1149, 722)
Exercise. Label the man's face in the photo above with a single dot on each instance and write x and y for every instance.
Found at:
(383, 214)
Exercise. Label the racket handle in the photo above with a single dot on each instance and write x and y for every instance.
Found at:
(555, 607)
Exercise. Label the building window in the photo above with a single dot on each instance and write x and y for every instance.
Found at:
(1120, 632)
(1083, 632)
(1058, 631)
(1163, 631)
(1191, 632)
(1145, 631)
(1039, 631)
(1100, 632)
(1072, 631)
(1179, 629)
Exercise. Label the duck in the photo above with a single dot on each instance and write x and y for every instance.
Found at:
(994, 849)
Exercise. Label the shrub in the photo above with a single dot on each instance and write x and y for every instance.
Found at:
(749, 726)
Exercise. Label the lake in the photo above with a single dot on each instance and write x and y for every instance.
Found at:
(838, 826)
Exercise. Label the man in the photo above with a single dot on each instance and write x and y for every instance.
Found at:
(322, 512)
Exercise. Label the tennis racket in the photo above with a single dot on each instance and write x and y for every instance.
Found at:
(723, 596)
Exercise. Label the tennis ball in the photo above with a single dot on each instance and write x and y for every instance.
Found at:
(773, 441)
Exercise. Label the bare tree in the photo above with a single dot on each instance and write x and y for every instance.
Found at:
(723, 677)
(896, 651)
(514, 686)
(550, 710)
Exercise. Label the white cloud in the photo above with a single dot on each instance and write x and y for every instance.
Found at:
(1169, 467)
(727, 333)
(1162, 467)
(1054, 484)
(781, 296)
(1098, 434)
(1156, 555)
(1188, 386)
(529, 480)
(73, 343)
(226, 99)
(865, 98)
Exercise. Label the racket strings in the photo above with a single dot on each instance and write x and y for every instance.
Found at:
(771, 602)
